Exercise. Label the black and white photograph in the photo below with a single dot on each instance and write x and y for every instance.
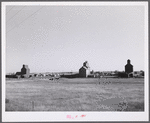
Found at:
(75, 61)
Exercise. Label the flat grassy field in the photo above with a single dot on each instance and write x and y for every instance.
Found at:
(78, 94)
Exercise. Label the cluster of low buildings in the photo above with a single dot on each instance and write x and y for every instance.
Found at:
(44, 74)
(84, 72)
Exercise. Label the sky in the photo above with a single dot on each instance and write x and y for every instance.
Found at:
(61, 38)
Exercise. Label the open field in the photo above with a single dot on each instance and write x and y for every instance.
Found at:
(78, 94)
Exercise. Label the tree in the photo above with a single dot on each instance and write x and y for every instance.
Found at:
(92, 72)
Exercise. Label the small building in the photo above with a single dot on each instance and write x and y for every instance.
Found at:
(128, 67)
(136, 74)
(84, 71)
(97, 74)
(31, 75)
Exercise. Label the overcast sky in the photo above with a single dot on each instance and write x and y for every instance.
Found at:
(61, 38)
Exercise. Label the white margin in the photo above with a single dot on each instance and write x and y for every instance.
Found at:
(3, 47)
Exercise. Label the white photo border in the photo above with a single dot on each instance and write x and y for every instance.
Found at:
(61, 116)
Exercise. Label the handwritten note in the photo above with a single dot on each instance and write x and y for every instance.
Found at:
(71, 117)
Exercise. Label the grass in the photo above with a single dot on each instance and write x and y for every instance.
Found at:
(77, 94)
